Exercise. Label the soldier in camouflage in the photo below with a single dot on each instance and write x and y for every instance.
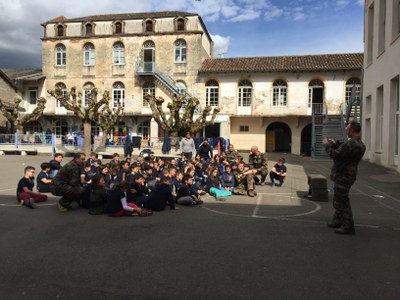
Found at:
(231, 154)
(259, 162)
(67, 182)
(346, 157)
(244, 181)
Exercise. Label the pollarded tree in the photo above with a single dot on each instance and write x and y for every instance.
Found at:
(95, 108)
(182, 113)
(108, 118)
(17, 116)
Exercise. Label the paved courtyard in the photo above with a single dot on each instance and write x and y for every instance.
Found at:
(273, 246)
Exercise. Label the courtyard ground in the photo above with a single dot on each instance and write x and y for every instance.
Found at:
(273, 246)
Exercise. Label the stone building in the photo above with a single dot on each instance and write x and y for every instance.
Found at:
(268, 101)
(381, 88)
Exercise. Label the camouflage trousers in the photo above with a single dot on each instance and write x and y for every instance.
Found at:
(263, 172)
(69, 193)
(245, 185)
(341, 203)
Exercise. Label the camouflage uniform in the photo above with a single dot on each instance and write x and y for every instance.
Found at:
(231, 155)
(260, 163)
(67, 184)
(346, 157)
(243, 183)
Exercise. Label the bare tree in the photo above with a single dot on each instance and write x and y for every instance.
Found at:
(181, 117)
(108, 118)
(17, 116)
(93, 111)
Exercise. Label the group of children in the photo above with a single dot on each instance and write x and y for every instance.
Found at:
(125, 187)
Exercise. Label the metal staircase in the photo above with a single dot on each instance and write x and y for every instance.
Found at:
(324, 125)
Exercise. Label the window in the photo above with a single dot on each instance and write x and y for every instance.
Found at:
(382, 26)
(34, 126)
(89, 55)
(180, 51)
(370, 34)
(87, 91)
(244, 128)
(64, 92)
(279, 93)
(60, 30)
(88, 29)
(61, 127)
(118, 94)
(33, 94)
(148, 89)
(149, 26)
(118, 27)
(245, 93)
(396, 18)
(395, 111)
(379, 119)
(316, 94)
(212, 93)
(180, 25)
(144, 130)
(61, 55)
(95, 129)
(356, 83)
(181, 87)
(119, 54)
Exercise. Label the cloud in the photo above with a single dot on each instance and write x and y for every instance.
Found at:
(221, 44)
(272, 13)
(340, 4)
(361, 2)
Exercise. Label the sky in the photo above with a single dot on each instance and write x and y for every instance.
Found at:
(239, 28)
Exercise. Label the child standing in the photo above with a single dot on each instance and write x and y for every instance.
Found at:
(25, 193)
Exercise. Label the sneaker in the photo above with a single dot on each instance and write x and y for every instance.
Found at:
(61, 208)
(272, 183)
(32, 204)
(262, 183)
(250, 193)
(21, 202)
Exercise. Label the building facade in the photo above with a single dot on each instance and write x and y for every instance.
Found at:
(381, 101)
(267, 101)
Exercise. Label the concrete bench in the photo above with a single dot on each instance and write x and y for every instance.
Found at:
(20, 151)
(318, 187)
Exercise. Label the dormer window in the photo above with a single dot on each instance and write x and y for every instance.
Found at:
(149, 26)
(88, 29)
(60, 30)
(118, 27)
(180, 25)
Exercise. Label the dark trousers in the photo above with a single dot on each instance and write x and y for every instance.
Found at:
(69, 194)
(26, 196)
(341, 203)
(273, 176)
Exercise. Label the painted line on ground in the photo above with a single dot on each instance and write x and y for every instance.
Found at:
(257, 208)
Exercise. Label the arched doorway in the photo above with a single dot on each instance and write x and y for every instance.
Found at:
(306, 139)
(316, 95)
(278, 138)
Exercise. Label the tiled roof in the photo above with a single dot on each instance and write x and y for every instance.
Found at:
(326, 62)
(14, 74)
(125, 16)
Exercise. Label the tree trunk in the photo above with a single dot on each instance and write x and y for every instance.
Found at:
(87, 137)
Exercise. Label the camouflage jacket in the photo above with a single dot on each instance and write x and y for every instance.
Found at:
(68, 175)
(231, 155)
(257, 161)
(346, 157)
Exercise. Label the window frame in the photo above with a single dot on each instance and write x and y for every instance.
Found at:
(63, 88)
(33, 101)
(118, 94)
(212, 93)
(245, 93)
(119, 54)
(180, 51)
(91, 31)
(61, 55)
(349, 86)
(60, 29)
(118, 27)
(89, 57)
(148, 88)
(279, 93)
(146, 26)
(180, 24)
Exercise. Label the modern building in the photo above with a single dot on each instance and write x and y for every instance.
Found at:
(381, 101)
(267, 101)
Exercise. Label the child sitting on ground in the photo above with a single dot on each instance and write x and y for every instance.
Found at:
(187, 195)
(117, 206)
(98, 196)
(214, 186)
(25, 194)
(43, 179)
